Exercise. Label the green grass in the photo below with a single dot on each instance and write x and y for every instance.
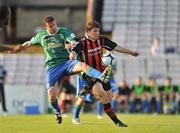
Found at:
(90, 124)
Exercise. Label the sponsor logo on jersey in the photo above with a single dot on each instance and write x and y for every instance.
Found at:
(54, 45)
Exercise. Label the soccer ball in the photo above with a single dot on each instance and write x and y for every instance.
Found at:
(108, 58)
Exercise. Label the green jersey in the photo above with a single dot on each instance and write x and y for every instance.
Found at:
(168, 89)
(152, 89)
(54, 45)
(178, 88)
(138, 89)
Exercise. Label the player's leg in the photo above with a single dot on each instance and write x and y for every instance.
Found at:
(100, 93)
(53, 100)
(61, 101)
(144, 102)
(107, 87)
(77, 109)
(99, 109)
(172, 102)
(132, 102)
(54, 76)
(80, 100)
(158, 102)
(82, 67)
(115, 91)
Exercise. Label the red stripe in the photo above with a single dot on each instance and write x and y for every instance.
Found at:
(89, 57)
(96, 45)
(102, 45)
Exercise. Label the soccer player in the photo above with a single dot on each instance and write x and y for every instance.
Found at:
(53, 39)
(90, 48)
(123, 97)
(114, 87)
(168, 96)
(154, 96)
(138, 96)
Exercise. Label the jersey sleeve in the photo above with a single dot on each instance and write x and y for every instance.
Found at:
(108, 44)
(36, 39)
(69, 36)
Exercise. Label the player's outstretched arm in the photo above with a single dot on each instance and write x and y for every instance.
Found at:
(19, 47)
(126, 51)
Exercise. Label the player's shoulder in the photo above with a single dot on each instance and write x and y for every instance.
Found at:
(103, 37)
(64, 28)
(42, 32)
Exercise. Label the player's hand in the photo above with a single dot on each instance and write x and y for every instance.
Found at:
(69, 46)
(14, 50)
(134, 53)
(72, 55)
(10, 52)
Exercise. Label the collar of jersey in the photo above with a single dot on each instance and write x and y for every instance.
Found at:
(54, 33)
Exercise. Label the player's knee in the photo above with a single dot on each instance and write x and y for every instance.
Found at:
(51, 94)
(103, 97)
(110, 94)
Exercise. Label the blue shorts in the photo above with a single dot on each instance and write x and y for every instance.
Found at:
(56, 73)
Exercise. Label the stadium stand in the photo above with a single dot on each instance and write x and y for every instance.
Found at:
(135, 22)
(28, 69)
(24, 69)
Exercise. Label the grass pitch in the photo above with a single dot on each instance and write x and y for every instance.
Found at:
(90, 124)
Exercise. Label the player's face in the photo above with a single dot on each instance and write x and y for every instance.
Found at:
(51, 27)
(168, 82)
(138, 81)
(94, 33)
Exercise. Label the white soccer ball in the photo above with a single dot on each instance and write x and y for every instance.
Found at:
(107, 59)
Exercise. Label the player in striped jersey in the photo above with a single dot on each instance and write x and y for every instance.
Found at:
(91, 48)
(54, 39)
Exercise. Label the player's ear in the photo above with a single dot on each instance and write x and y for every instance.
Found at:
(44, 25)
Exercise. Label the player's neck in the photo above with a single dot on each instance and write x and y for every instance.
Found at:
(54, 31)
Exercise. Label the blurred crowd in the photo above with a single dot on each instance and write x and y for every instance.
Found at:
(141, 97)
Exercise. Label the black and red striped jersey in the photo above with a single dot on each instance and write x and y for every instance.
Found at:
(90, 51)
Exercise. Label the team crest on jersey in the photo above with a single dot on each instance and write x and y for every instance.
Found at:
(54, 45)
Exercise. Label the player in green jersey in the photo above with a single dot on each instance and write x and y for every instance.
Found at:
(54, 41)
(154, 97)
(168, 96)
(138, 95)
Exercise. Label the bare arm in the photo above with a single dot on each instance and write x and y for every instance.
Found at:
(126, 51)
(20, 47)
